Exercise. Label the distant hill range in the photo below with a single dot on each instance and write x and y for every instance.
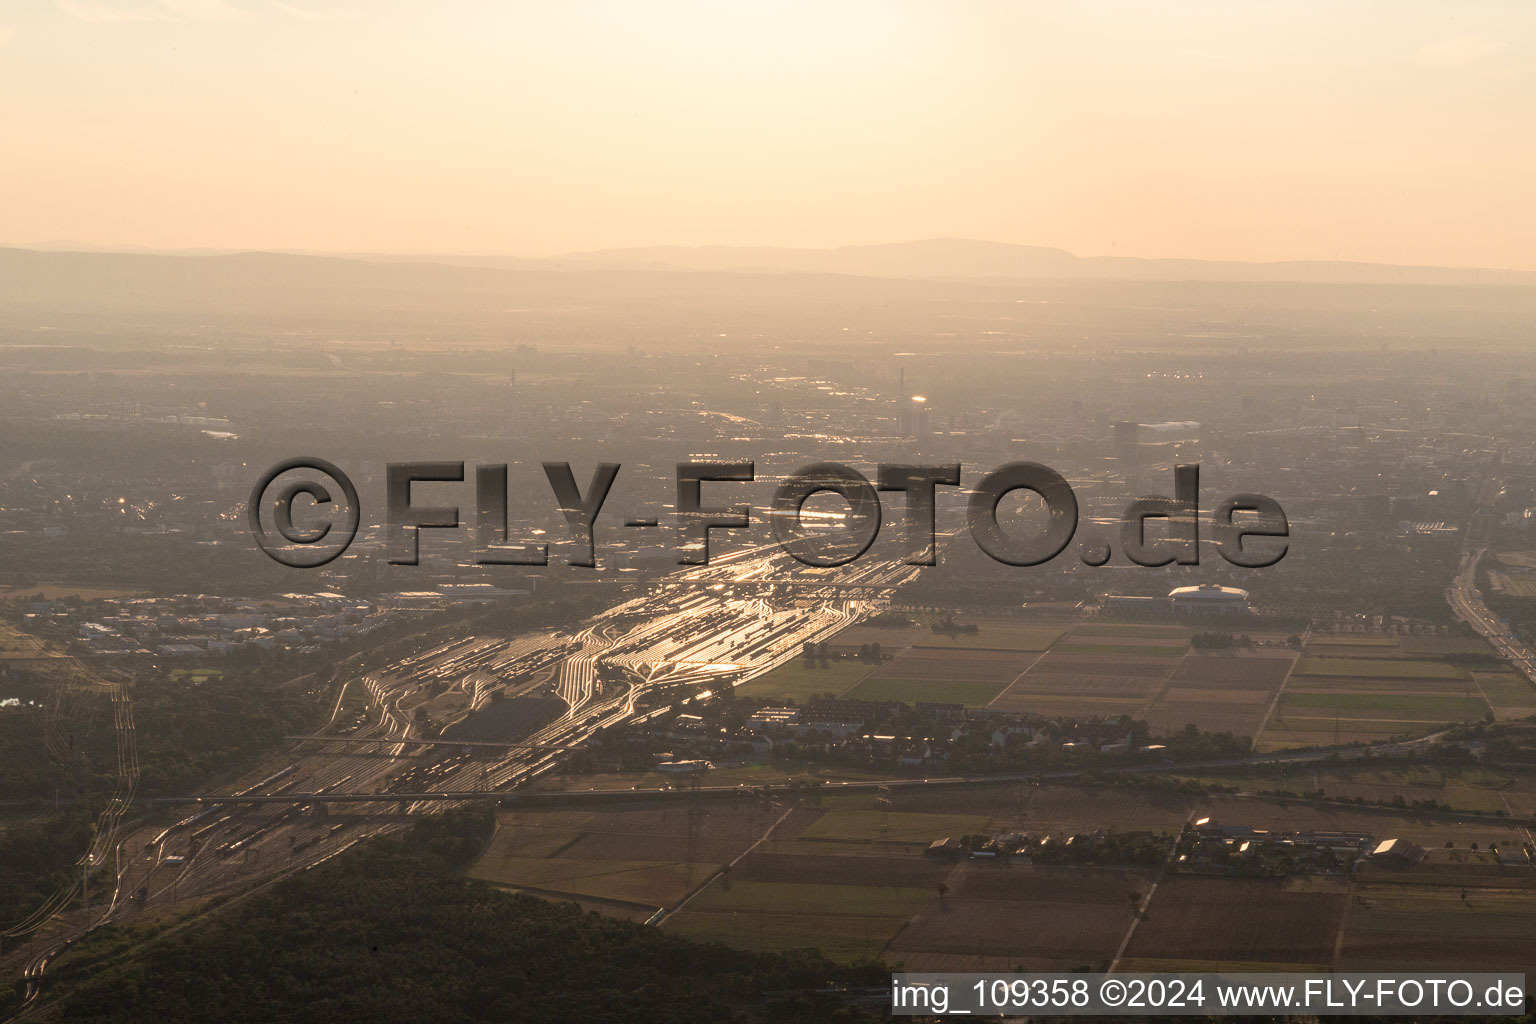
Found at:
(939, 259)
(959, 258)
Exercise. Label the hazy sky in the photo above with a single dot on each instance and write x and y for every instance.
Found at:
(1386, 131)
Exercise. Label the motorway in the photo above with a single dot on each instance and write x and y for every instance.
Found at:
(1468, 605)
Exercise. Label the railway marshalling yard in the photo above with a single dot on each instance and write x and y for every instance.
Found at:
(846, 872)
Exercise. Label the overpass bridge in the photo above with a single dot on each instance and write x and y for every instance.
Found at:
(439, 741)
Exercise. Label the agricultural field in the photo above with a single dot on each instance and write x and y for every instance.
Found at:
(1369, 689)
(1343, 688)
(845, 921)
(881, 826)
(1516, 583)
(1098, 669)
(991, 634)
(997, 635)
(1428, 831)
(969, 692)
(1132, 631)
(1043, 918)
(1108, 669)
(1088, 684)
(1462, 788)
(1207, 924)
(1055, 810)
(1121, 649)
(630, 859)
(972, 676)
(794, 681)
(1220, 692)
(1357, 667)
(1419, 927)
(1510, 694)
(846, 872)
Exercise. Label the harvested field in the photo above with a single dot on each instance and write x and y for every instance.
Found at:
(1063, 664)
(1258, 672)
(977, 665)
(1058, 810)
(1207, 695)
(1231, 920)
(1042, 918)
(1059, 706)
(812, 864)
(631, 855)
(859, 826)
(1119, 648)
(1064, 685)
(1396, 928)
(844, 921)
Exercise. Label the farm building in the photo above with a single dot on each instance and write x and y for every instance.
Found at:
(1397, 852)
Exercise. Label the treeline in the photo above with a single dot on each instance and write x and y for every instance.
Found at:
(185, 733)
(389, 932)
(39, 855)
(188, 732)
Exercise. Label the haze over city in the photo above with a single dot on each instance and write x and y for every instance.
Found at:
(1384, 132)
(723, 512)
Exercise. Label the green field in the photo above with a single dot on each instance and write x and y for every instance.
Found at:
(843, 921)
(940, 691)
(1507, 690)
(891, 826)
(1172, 650)
(793, 681)
(1439, 709)
(1378, 668)
(1004, 637)
(1347, 640)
